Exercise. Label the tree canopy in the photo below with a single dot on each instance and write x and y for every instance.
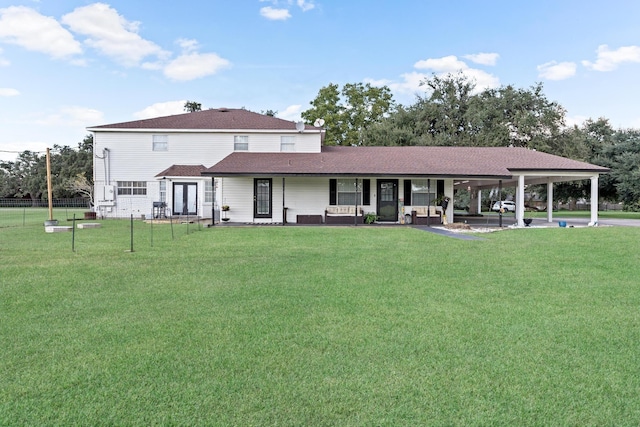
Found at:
(27, 175)
(453, 112)
(192, 106)
(350, 112)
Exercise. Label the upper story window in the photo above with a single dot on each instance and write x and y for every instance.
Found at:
(132, 188)
(160, 142)
(287, 143)
(241, 143)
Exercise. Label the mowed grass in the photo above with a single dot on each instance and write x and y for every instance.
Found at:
(17, 217)
(322, 326)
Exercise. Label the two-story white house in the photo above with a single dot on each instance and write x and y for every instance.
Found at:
(268, 170)
(159, 161)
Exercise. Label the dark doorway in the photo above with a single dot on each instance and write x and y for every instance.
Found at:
(262, 198)
(387, 200)
(185, 198)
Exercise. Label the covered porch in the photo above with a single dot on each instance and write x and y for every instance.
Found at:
(520, 182)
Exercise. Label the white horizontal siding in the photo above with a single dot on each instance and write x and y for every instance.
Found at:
(131, 158)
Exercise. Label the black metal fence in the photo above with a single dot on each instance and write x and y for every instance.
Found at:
(43, 203)
(28, 212)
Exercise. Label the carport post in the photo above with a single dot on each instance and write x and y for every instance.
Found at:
(500, 200)
(520, 202)
(429, 203)
(550, 201)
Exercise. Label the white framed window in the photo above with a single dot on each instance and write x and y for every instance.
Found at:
(132, 188)
(287, 143)
(420, 194)
(347, 194)
(163, 191)
(160, 142)
(208, 191)
(241, 143)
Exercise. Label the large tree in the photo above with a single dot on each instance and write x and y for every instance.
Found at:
(453, 112)
(27, 175)
(350, 112)
(192, 106)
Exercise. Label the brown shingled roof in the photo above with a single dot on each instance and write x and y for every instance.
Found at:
(480, 162)
(215, 119)
(183, 170)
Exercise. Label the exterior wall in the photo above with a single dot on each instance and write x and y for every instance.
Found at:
(129, 156)
(302, 196)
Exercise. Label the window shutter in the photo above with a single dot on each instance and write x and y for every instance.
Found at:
(407, 192)
(333, 191)
(366, 191)
(440, 188)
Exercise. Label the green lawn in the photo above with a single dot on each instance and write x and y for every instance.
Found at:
(20, 217)
(319, 326)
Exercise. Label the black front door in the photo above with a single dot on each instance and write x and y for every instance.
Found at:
(185, 198)
(387, 200)
(262, 198)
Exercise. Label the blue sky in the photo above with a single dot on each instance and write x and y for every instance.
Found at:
(69, 64)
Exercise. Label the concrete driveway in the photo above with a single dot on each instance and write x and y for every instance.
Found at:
(509, 220)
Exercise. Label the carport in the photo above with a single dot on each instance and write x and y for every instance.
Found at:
(521, 178)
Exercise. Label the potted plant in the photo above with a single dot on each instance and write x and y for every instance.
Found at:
(225, 216)
(370, 218)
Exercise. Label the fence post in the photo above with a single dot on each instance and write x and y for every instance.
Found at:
(131, 232)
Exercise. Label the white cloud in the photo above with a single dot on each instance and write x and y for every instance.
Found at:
(446, 64)
(5, 91)
(483, 58)
(483, 79)
(292, 112)
(111, 34)
(192, 66)
(29, 29)
(557, 71)
(451, 65)
(161, 109)
(410, 83)
(609, 60)
(188, 45)
(3, 62)
(306, 5)
(275, 14)
(72, 116)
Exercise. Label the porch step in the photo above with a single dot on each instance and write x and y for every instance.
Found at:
(89, 225)
(57, 228)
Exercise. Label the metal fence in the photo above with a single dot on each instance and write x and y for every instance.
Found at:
(28, 212)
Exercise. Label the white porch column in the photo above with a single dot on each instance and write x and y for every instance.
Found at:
(594, 201)
(550, 201)
(479, 201)
(448, 192)
(520, 202)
